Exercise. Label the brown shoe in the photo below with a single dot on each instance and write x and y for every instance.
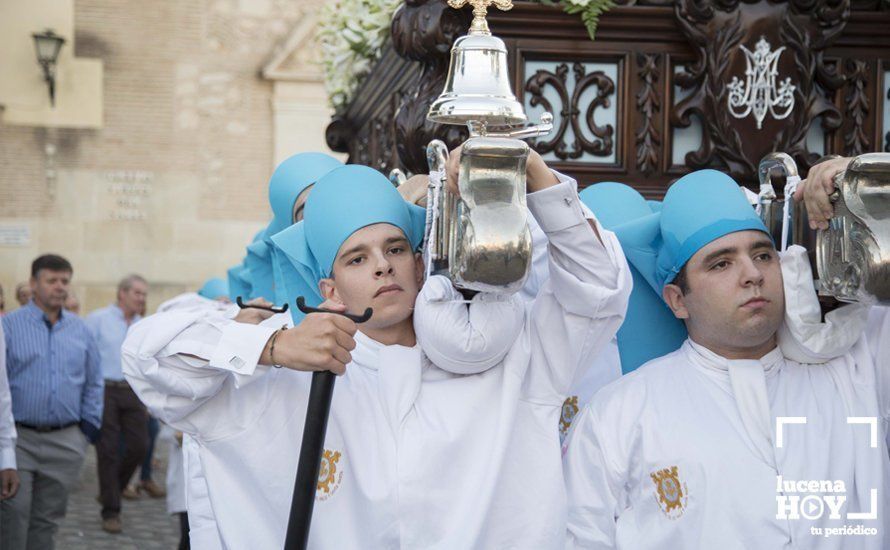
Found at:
(153, 489)
(130, 493)
(112, 525)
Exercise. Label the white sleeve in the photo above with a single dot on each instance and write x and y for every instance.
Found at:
(594, 488)
(540, 268)
(179, 360)
(478, 334)
(877, 337)
(804, 336)
(581, 306)
(7, 423)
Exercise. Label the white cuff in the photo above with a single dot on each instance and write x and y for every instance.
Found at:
(557, 207)
(240, 347)
(7, 458)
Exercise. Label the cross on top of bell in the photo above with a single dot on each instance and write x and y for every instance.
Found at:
(480, 10)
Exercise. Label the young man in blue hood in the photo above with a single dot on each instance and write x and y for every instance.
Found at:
(738, 439)
(415, 456)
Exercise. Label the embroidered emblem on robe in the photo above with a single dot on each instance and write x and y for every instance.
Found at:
(569, 410)
(671, 493)
(329, 475)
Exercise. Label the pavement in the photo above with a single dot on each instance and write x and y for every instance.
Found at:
(146, 522)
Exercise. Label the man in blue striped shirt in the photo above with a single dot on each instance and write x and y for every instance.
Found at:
(124, 417)
(57, 392)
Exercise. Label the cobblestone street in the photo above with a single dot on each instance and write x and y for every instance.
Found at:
(146, 523)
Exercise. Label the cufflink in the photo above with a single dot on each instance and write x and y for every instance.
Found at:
(236, 362)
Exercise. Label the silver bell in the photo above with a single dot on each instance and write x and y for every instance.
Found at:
(478, 83)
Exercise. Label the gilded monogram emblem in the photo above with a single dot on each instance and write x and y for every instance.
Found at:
(329, 475)
(671, 493)
(569, 410)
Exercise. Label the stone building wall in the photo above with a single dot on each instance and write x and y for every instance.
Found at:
(173, 185)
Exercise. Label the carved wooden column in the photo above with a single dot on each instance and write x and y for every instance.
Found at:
(423, 31)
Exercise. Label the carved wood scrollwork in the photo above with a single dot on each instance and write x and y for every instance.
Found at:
(570, 112)
(808, 46)
(648, 138)
(856, 140)
(887, 137)
(373, 143)
(716, 29)
(423, 31)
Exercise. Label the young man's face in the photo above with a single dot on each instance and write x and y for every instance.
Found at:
(50, 288)
(376, 268)
(735, 298)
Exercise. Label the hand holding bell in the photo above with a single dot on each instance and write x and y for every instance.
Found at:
(538, 175)
(818, 189)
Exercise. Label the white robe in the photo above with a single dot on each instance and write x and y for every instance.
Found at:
(480, 337)
(605, 366)
(415, 457)
(203, 529)
(176, 480)
(193, 300)
(186, 485)
(679, 411)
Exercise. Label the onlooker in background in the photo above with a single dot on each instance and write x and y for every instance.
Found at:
(124, 415)
(56, 387)
(72, 304)
(23, 293)
(9, 478)
(146, 483)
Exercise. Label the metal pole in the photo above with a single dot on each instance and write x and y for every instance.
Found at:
(311, 449)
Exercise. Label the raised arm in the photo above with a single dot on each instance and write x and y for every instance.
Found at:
(581, 306)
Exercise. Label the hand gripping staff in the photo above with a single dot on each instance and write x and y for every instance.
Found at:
(312, 447)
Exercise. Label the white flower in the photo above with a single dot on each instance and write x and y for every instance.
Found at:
(351, 35)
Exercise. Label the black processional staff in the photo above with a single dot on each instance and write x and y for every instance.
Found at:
(312, 447)
(273, 309)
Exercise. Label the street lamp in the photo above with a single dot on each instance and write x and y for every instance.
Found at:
(48, 45)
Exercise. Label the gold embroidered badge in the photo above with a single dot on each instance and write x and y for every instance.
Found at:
(329, 476)
(569, 410)
(671, 493)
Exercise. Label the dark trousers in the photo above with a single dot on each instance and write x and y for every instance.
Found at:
(124, 417)
(153, 428)
(183, 531)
